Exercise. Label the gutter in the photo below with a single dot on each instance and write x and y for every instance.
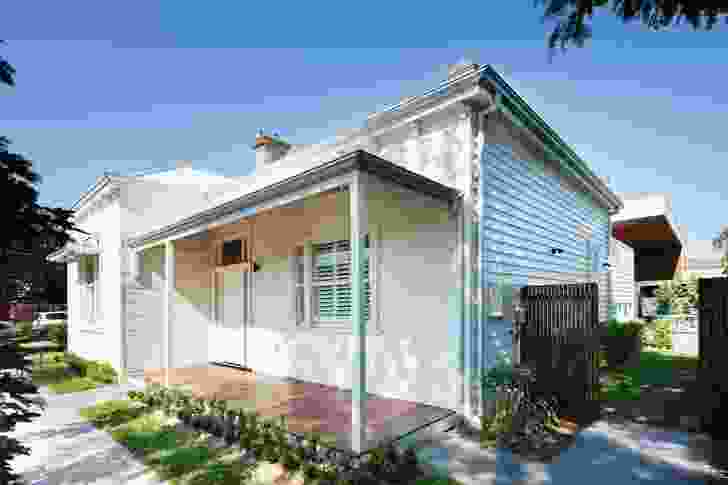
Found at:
(95, 189)
(518, 111)
(241, 206)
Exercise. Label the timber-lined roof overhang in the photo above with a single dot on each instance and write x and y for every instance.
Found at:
(358, 160)
(656, 245)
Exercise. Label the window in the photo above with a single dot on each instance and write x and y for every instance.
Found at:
(88, 272)
(232, 252)
(330, 290)
(300, 293)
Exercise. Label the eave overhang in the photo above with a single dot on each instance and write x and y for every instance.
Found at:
(75, 248)
(657, 246)
(520, 113)
(358, 160)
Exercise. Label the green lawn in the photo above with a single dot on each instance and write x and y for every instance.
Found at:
(186, 457)
(656, 368)
(180, 457)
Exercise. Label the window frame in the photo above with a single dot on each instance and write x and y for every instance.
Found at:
(303, 287)
(89, 287)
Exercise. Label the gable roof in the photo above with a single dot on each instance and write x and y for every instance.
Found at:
(477, 86)
(357, 160)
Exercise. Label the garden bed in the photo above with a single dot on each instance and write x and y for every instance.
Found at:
(194, 441)
(65, 373)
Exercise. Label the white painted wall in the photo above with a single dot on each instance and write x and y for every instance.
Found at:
(191, 308)
(99, 340)
(623, 285)
(414, 356)
(643, 205)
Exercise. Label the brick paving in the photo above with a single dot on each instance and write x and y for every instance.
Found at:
(308, 406)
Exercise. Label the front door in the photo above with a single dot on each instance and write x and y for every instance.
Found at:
(231, 289)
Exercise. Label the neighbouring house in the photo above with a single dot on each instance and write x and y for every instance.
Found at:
(648, 247)
(703, 259)
(388, 261)
(623, 297)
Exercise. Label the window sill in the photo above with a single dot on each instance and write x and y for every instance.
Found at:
(371, 332)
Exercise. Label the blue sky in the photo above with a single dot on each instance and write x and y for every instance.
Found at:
(138, 85)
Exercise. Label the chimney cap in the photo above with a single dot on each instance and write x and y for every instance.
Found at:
(460, 67)
(184, 165)
(263, 139)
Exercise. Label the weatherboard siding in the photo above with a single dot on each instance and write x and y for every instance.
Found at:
(527, 209)
(623, 281)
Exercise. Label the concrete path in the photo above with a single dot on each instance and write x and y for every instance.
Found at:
(605, 453)
(65, 450)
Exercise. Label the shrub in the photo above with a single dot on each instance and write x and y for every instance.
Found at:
(113, 412)
(58, 333)
(658, 334)
(621, 341)
(78, 363)
(516, 411)
(75, 384)
(24, 330)
(632, 328)
(145, 423)
(102, 372)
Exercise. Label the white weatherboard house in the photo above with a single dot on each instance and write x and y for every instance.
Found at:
(446, 204)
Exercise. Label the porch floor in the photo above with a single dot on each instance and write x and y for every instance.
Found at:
(308, 406)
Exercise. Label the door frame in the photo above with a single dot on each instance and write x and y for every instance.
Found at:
(245, 284)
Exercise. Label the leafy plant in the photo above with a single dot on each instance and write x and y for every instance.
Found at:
(144, 423)
(245, 424)
(113, 412)
(58, 333)
(102, 372)
(501, 375)
(658, 334)
(679, 294)
(632, 328)
(78, 363)
(24, 330)
(76, 384)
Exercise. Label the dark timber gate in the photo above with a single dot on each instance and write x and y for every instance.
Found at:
(713, 352)
(560, 341)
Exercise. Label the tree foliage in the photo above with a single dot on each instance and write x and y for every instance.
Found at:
(21, 218)
(721, 241)
(7, 72)
(16, 405)
(571, 16)
(681, 293)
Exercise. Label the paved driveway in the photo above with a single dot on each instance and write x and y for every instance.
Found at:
(65, 450)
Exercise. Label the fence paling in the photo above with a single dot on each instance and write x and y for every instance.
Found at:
(712, 355)
(560, 343)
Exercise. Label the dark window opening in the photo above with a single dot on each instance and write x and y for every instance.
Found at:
(232, 252)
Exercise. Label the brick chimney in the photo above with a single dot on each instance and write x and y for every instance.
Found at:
(184, 167)
(269, 149)
(460, 69)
